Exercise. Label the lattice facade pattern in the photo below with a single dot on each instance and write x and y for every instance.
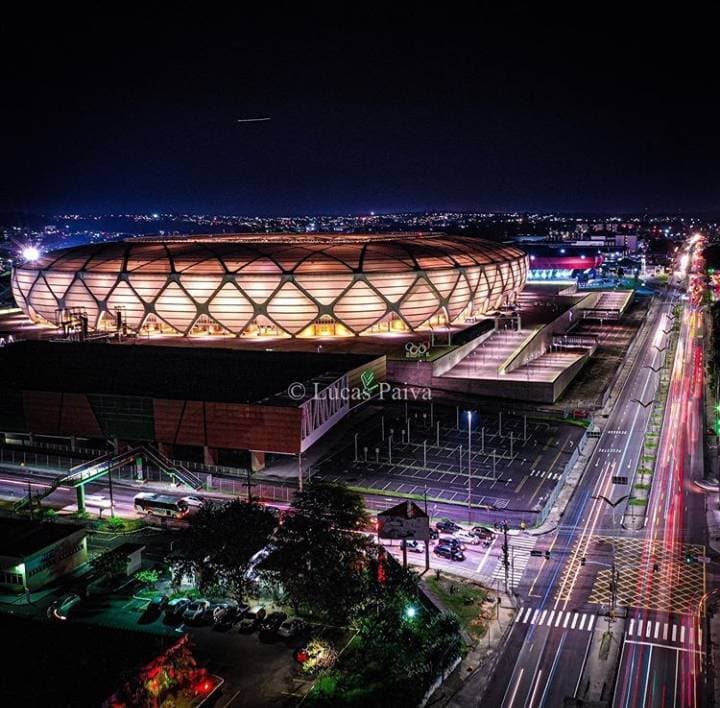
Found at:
(282, 284)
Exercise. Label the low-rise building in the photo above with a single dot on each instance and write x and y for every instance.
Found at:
(32, 553)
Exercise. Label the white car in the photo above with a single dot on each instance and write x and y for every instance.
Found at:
(291, 627)
(196, 611)
(62, 606)
(466, 537)
(176, 606)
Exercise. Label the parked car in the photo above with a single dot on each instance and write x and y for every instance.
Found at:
(291, 627)
(466, 537)
(413, 546)
(454, 542)
(252, 618)
(156, 605)
(61, 607)
(175, 608)
(271, 623)
(447, 526)
(227, 612)
(447, 551)
(195, 612)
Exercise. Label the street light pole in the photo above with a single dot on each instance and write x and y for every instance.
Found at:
(469, 417)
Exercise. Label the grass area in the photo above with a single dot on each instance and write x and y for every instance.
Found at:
(566, 421)
(641, 485)
(466, 600)
(638, 502)
(370, 491)
(117, 524)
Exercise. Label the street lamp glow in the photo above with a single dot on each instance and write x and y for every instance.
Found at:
(30, 253)
(411, 612)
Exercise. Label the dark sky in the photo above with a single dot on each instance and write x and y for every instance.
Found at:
(133, 112)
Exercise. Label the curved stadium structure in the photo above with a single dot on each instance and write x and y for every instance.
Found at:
(272, 284)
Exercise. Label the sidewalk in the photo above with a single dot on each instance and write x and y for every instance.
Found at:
(463, 688)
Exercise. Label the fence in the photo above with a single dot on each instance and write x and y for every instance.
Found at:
(550, 502)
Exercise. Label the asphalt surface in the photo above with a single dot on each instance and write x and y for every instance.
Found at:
(516, 460)
(545, 654)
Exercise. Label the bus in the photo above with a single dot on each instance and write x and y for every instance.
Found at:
(161, 505)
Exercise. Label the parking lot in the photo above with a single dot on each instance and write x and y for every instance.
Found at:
(515, 460)
(257, 669)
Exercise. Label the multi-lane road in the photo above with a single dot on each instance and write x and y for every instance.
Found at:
(658, 580)
(569, 596)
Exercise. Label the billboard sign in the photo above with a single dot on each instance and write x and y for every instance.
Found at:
(404, 521)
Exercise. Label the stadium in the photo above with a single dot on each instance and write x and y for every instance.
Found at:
(288, 285)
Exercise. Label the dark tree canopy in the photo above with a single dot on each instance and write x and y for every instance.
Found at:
(220, 540)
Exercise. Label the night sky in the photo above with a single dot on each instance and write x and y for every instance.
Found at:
(136, 113)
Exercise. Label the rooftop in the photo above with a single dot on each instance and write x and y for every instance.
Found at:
(181, 373)
(21, 537)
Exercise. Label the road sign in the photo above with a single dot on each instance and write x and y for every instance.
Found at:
(619, 480)
(404, 521)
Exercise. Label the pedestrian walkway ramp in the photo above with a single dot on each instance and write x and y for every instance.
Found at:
(85, 473)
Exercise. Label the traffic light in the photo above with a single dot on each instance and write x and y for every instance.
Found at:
(547, 555)
(582, 561)
(690, 558)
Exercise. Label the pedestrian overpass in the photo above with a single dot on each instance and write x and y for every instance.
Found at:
(85, 473)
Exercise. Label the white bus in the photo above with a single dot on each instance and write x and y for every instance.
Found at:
(161, 505)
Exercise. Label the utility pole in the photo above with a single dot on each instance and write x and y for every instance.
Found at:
(613, 590)
(30, 506)
(506, 562)
(425, 454)
(110, 490)
(249, 484)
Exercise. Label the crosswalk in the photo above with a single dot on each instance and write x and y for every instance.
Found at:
(656, 631)
(519, 555)
(636, 630)
(544, 473)
(564, 619)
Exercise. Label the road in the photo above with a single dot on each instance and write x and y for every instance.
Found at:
(549, 643)
(655, 671)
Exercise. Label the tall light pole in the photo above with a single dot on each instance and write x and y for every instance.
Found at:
(469, 418)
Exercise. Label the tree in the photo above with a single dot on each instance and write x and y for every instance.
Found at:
(339, 506)
(111, 563)
(317, 548)
(219, 542)
(311, 558)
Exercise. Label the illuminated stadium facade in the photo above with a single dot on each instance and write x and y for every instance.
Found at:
(298, 285)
